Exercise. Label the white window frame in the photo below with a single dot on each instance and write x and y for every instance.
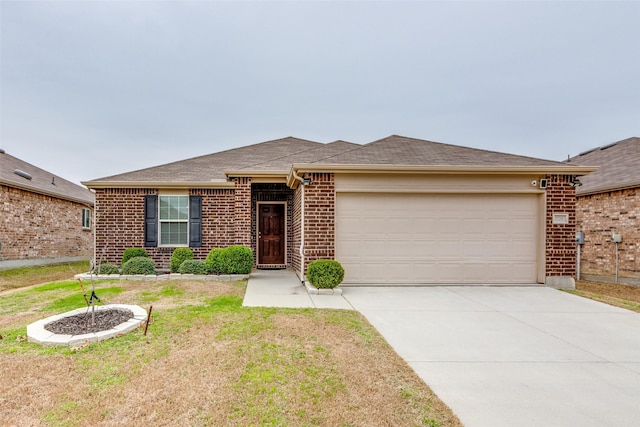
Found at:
(168, 221)
(86, 218)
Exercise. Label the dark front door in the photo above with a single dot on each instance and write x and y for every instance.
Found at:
(271, 234)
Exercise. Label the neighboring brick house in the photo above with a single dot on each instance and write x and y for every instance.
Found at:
(45, 218)
(398, 210)
(608, 203)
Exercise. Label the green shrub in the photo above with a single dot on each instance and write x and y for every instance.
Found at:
(230, 260)
(213, 262)
(139, 265)
(325, 273)
(179, 256)
(107, 268)
(237, 260)
(132, 253)
(192, 266)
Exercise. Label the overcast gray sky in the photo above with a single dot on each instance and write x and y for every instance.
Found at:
(95, 88)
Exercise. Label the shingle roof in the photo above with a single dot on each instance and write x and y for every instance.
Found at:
(212, 166)
(41, 182)
(619, 167)
(281, 154)
(400, 150)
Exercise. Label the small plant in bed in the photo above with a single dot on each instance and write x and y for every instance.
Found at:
(139, 265)
(132, 253)
(107, 268)
(192, 266)
(179, 256)
(325, 273)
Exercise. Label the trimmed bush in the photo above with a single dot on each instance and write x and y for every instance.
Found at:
(132, 253)
(325, 273)
(179, 256)
(230, 260)
(192, 266)
(213, 262)
(237, 260)
(139, 265)
(107, 268)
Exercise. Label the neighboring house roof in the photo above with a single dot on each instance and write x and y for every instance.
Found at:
(282, 157)
(619, 167)
(41, 182)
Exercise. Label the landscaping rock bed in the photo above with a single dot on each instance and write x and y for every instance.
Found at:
(84, 323)
(125, 316)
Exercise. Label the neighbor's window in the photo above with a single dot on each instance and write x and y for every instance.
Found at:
(86, 218)
(174, 220)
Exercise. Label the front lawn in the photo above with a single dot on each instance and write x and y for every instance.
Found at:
(206, 361)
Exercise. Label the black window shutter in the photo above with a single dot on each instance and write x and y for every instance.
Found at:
(195, 221)
(151, 221)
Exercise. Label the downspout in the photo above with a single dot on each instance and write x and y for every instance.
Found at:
(299, 179)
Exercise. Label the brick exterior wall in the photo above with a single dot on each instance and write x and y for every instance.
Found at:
(560, 247)
(296, 230)
(319, 222)
(34, 226)
(243, 211)
(601, 215)
(119, 214)
(120, 223)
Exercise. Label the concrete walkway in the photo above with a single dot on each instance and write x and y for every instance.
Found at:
(514, 356)
(282, 288)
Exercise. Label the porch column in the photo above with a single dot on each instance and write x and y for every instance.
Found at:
(243, 211)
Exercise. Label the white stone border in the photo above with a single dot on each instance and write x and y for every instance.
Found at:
(312, 290)
(36, 332)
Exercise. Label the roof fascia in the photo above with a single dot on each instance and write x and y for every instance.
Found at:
(276, 174)
(440, 169)
(46, 193)
(158, 184)
(435, 169)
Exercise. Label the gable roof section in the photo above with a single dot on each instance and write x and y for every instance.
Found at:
(41, 182)
(282, 158)
(400, 150)
(619, 167)
(211, 167)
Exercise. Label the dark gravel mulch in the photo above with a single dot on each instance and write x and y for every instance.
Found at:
(81, 323)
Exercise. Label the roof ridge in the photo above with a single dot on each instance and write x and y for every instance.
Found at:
(357, 147)
(289, 154)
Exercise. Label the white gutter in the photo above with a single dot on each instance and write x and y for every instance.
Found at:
(299, 179)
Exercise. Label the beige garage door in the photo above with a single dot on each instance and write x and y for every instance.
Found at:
(434, 238)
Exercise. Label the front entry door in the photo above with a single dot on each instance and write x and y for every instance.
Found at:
(271, 234)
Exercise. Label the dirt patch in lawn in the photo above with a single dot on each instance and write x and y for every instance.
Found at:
(209, 361)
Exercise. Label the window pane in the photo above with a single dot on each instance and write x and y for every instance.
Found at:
(174, 207)
(86, 218)
(173, 233)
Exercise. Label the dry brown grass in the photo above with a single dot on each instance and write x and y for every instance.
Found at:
(624, 296)
(208, 362)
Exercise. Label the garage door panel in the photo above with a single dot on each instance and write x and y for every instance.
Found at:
(428, 238)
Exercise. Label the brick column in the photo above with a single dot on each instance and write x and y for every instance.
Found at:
(560, 245)
(319, 221)
(243, 211)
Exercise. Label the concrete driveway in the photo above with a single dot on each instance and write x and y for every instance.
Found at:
(514, 356)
